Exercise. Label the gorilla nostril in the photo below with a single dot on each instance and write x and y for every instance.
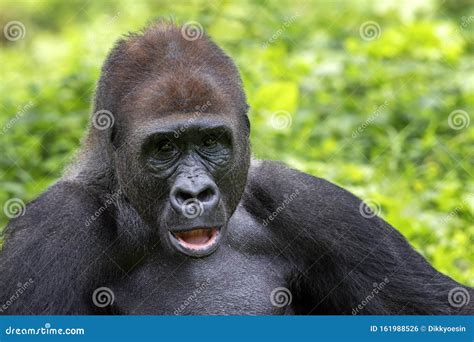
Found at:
(207, 195)
(182, 196)
(203, 194)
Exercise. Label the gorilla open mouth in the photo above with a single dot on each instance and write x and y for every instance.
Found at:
(196, 242)
(197, 238)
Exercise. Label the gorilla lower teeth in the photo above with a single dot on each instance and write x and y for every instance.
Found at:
(197, 237)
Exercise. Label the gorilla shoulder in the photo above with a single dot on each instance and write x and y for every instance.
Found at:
(274, 188)
(65, 209)
(57, 244)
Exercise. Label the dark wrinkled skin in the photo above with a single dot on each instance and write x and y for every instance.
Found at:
(181, 132)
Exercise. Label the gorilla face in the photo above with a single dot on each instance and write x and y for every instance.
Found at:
(190, 165)
(179, 171)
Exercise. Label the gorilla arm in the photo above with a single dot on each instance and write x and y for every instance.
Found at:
(341, 257)
(59, 250)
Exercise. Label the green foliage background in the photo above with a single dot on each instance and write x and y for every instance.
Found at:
(368, 114)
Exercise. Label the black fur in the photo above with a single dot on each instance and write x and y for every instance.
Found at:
(107, 222)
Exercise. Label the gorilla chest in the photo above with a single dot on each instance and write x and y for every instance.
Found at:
(226, 283)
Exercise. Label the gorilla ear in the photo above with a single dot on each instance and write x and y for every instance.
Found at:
(247, 122)
(113, 136)
(246, 108)
(246, 115)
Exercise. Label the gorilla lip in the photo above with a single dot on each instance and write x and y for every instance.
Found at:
(197, 239)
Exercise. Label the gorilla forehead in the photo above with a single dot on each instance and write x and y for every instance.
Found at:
(184, 91)
(159, 70)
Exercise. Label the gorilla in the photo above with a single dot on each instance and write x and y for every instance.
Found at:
(164, 211)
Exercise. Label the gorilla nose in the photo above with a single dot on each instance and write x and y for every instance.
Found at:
(203, 196)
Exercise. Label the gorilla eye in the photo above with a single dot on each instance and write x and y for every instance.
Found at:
(165, 147)
(210, 142)
(164, 150)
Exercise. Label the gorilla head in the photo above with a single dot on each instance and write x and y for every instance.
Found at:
(178, 147)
